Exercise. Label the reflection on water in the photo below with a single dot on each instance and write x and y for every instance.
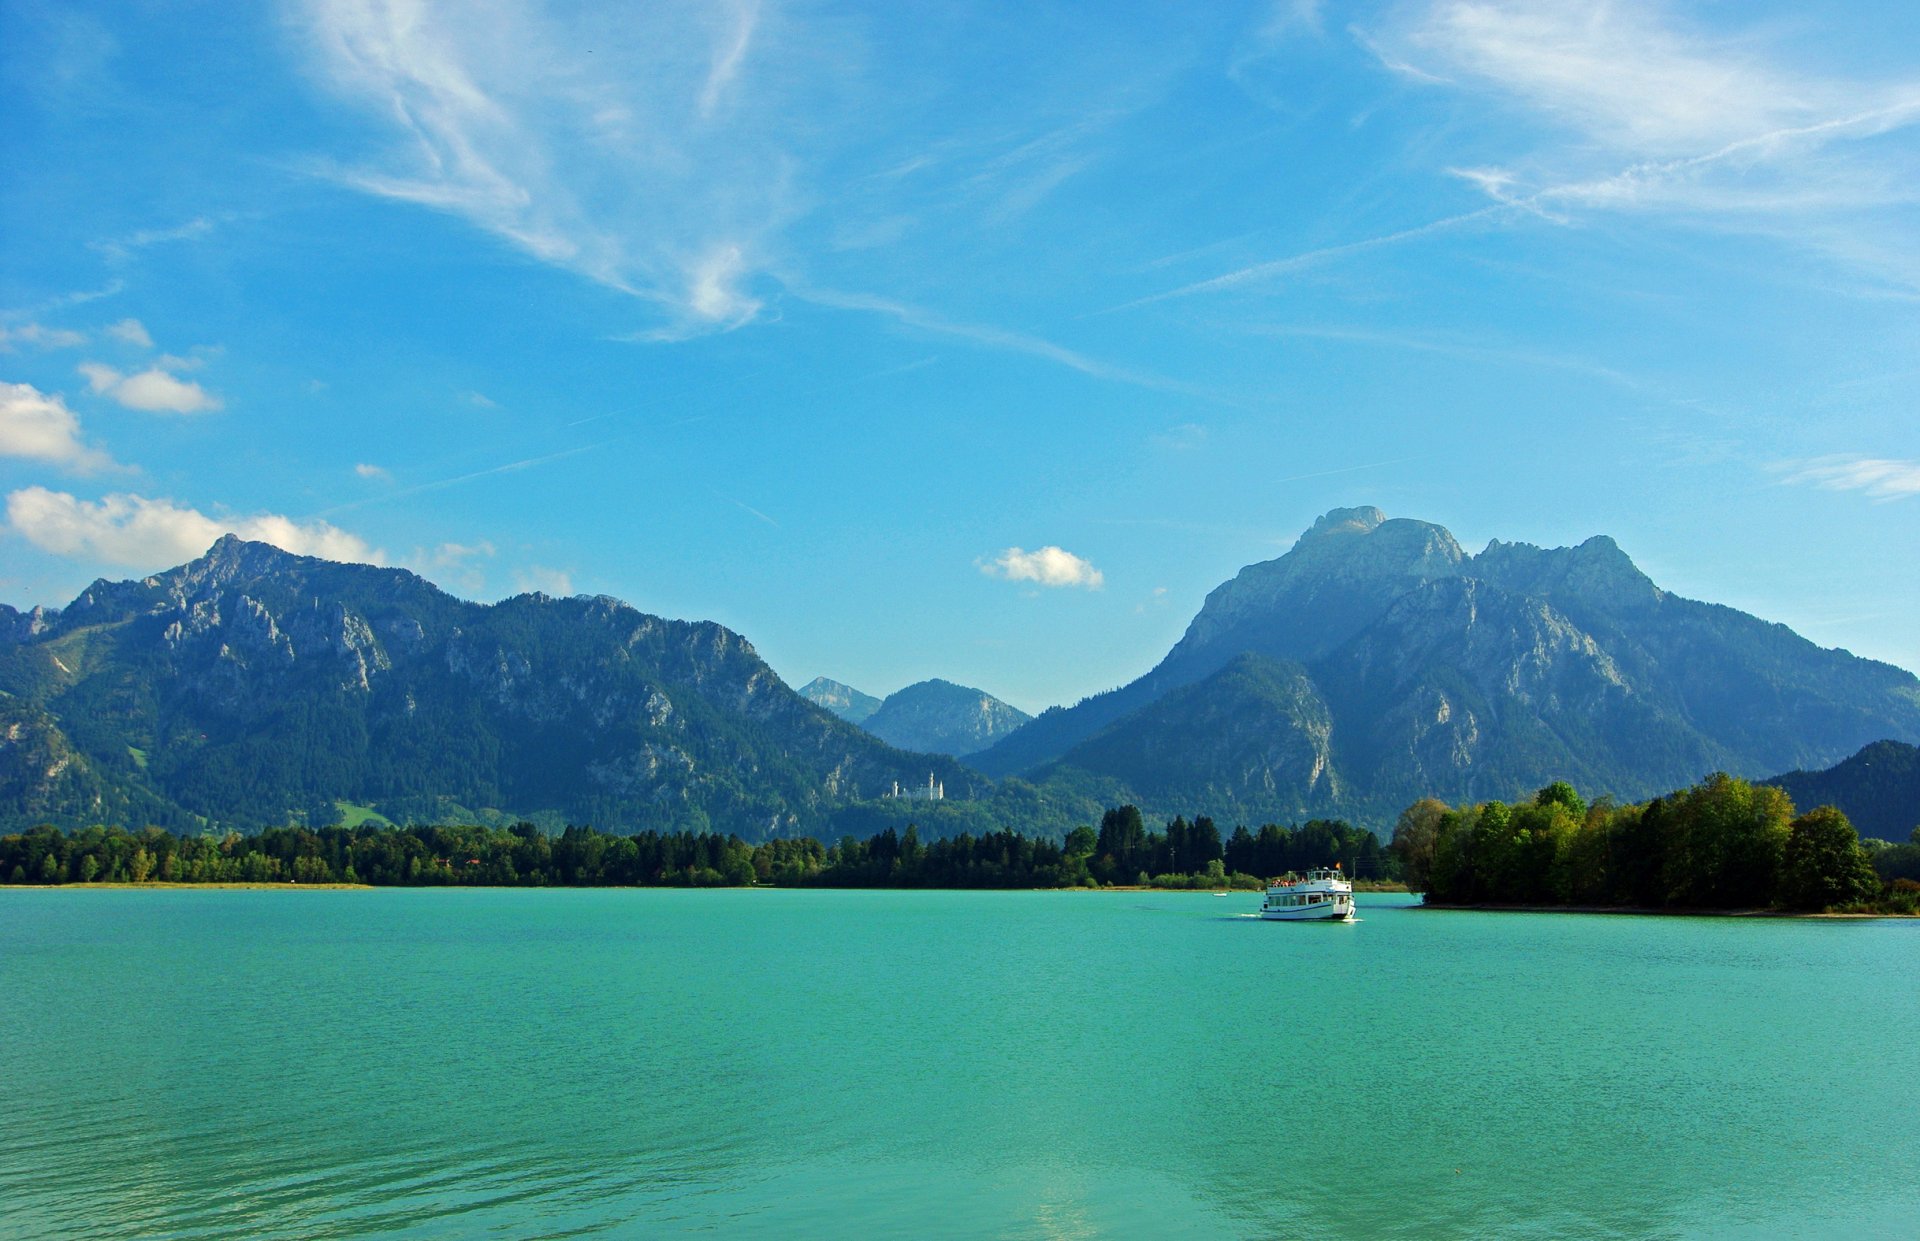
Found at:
(326, 1064)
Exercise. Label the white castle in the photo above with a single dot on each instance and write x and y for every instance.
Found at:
(936, 790)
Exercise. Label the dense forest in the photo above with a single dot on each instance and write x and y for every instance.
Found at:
(1721, 844)
(1120, 851)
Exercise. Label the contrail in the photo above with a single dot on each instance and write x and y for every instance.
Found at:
(509, 468)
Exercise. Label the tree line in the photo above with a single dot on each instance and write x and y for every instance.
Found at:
(1722, 844)
(1121, 850)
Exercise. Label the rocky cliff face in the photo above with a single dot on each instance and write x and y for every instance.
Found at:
(939, 717)
(843, 700)
(1474, 677)
(252, 688)
(1253, 741)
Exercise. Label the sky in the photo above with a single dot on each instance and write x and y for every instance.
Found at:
(962, 340)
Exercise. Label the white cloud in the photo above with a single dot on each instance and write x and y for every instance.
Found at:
(364, 470)
(1621, 72)
(133, 530)
(153, 389)
(636, 147)
(1049, 566)
(713, 288)
(455, 565)
(120, 249)
(728, 53)
(1880, 478)
(39, 426)
(1712, 129)
(39, 337)
(547, 581)
(1659, 119)
(482, 400)
(132, 331)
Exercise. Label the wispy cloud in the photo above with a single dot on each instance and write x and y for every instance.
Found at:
(1713, 129)
(457, 565)
(540, 578)
(120, 249)
(1274, 268)
(38, 426)
(1047, 566)
(1706, 130)
(728, 53)
(373, 472)
(634, 148)
(113, 288)
(154, 390)
(130, 332)
(39, 336)
(511, 467)
(982, 334)
(1880, 478)
(146, 533)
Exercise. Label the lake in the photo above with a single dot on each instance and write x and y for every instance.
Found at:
(204, 1063)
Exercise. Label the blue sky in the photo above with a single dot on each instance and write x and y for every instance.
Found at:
(961, 340)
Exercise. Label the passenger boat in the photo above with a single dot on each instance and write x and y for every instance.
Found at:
(1323, 896)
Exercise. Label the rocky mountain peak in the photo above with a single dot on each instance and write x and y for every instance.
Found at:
(1362, 520)
(1596, 573)
(1339, 575)
(842, 699)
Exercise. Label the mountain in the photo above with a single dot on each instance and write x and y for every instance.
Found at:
(254, 688)
(843, 700)
(1406, 668)
(1251, 741)
(939, 717)
(1878, 788)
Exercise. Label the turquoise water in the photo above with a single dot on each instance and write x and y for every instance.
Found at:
(764, 1063)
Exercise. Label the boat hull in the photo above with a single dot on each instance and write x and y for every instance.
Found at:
(1328, 912)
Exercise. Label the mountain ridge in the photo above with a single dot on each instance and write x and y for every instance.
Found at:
(253, 687)
(1489, 675)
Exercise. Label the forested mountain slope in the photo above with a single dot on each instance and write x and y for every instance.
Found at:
(253, 687)
(1878, 789)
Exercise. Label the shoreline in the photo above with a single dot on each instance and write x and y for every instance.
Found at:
(161, 885)
(1634, 911)
(185, 887)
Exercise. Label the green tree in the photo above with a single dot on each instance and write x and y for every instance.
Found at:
(1561, 793)
(1824, 865)
(1413, 836)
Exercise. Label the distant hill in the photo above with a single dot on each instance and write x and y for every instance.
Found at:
(1878, 788)
(254, 688)
(1399, 666)
(939, 717)
(843, 700)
